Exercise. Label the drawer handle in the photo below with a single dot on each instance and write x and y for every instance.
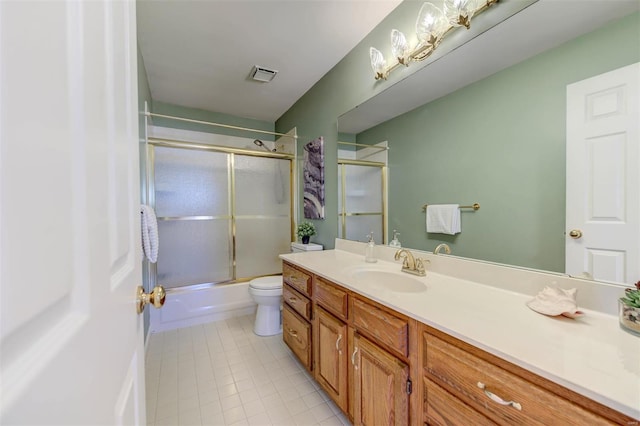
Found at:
(338, 344)
(293, 299)
(293, 333)
(495, 398)
(353, 358)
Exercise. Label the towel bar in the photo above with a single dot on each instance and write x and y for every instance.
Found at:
(474, 206)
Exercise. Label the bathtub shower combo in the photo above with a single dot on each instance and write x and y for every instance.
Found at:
(225, 212)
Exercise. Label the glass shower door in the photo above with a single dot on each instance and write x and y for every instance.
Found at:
(262, 214)
(192, 202)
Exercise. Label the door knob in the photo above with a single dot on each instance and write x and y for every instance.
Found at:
(156, 298)
(575, 233)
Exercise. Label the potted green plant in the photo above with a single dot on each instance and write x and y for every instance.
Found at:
(629, 309)
(305, 231)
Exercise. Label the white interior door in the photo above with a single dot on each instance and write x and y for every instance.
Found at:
(71, 342)
(603, 176)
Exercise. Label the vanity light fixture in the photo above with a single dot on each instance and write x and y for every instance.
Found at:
(432, 26)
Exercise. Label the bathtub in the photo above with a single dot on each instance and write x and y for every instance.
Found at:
(195, 305)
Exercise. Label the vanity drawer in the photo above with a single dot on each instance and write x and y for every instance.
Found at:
(296, 278)
(297, 301)
(382, 325)
(331, 297)
(460, 373)
(441, 408)
(296, 333)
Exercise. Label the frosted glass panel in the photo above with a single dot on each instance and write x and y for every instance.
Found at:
(193, 252)
(359, 226)
(262, 186)
(363, 189)
(258, 244)
(191, 183)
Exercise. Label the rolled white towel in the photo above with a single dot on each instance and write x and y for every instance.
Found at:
(149, 228)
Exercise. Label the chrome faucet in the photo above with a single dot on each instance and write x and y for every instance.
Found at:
(446, 248)
(410, 264)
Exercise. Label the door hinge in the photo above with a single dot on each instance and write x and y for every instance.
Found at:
(409, 387)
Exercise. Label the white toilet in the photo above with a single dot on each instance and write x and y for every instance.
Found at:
(267, 293)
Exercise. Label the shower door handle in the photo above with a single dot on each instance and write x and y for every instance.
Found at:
(156, 298)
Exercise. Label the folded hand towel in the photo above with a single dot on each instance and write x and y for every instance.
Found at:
(443, 218)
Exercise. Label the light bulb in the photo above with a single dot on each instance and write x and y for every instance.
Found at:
(378, 64)
(430, 23)
(399, 47)
(459, 12)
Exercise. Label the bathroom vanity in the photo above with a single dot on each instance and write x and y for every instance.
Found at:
(390, 348)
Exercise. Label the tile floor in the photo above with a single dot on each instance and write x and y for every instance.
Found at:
(222, 374)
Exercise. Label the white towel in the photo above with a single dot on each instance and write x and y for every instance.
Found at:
(149, 228)
(443, 219)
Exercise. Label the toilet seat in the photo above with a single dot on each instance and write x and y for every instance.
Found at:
(267, 283)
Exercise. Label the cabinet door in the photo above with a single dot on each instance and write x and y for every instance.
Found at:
(331, 357)
(380, 395)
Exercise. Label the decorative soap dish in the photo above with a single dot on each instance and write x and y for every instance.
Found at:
(556, 301)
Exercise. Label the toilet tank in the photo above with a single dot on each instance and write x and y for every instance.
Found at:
(299, 247)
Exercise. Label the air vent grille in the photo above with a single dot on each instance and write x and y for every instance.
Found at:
(262, 74)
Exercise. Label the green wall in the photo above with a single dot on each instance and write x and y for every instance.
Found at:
(499, 142)
(348, 84)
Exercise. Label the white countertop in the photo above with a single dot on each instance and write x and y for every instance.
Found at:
(590, 355)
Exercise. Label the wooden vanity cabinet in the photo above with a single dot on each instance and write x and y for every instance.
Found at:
(465, 385)
(297, 313)
(360, 349)
(384, 368)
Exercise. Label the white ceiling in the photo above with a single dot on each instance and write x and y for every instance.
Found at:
(200, 53)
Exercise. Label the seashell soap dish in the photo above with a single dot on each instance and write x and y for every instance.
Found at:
(556, 301)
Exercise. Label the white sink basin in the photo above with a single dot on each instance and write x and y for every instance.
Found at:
(383, 278)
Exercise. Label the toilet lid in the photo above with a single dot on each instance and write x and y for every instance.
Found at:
(267, 283)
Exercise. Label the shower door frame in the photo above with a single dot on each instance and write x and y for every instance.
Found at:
(177, 144)
(342, 214)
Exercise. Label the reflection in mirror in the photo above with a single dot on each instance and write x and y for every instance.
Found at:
(498, 137)
(362, 191)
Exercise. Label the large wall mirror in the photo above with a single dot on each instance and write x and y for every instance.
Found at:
(486, 124)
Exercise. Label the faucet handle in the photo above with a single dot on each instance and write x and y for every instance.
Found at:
(420, 266)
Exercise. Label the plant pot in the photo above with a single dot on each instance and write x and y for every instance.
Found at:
(305, 239)
(629, 317)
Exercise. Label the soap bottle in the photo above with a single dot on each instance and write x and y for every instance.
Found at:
(370, 251)
(395, 242)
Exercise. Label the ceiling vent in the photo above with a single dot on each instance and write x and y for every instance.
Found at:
(262, 74)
